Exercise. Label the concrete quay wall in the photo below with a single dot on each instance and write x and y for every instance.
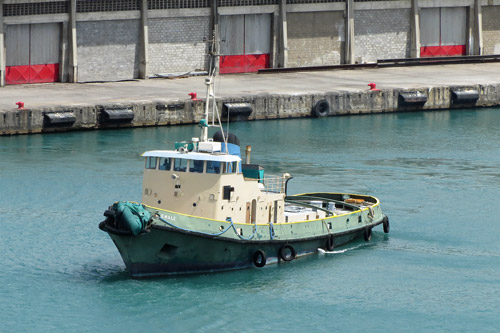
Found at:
(160, 112)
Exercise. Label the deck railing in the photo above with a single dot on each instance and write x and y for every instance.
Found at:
(274, 184)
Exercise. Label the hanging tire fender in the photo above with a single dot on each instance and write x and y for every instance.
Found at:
(287, 252)
(368, 234)
(109, 213)
(385, 223)
(330, 243)
(259, 258)
(321, 109)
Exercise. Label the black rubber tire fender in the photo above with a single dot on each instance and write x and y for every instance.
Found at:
(368, 234)
(259, 258)
(284, 255)
(385, 223)
(321, 109)
(109, 213)
(330, 243)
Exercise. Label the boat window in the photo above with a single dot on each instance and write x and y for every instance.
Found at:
(195, 166)
(230, 167)
(180, 164)
(213, 167)
(151, 162)
(165, 163)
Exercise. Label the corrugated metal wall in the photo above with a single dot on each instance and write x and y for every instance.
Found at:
(32, 53)
(443, 31)
(245, 42)
(257, 33)
(453, 26)
(44, 43)
(17, 45)
(232, 34)
(430, 25)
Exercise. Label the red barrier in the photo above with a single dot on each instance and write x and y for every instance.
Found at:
(44, 73)
(17, 74)
(243, 63)
(442, 51)
(32, 74)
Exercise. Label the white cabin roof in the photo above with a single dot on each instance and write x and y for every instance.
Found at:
(219, 157)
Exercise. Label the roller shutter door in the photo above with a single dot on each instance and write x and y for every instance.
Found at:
(32, 53)
(245, 42)
(443, 31)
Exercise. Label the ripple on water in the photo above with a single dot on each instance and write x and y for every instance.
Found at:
(436, 174)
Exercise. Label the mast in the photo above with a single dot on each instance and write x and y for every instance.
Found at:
(210, 95)
(210, 82)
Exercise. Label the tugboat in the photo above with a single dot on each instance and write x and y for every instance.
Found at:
(204, 210)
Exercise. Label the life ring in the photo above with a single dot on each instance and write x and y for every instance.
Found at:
(259, 258)
(287, 252)
(386, 225)
(330, 244)
(321, 109)
(368, 234)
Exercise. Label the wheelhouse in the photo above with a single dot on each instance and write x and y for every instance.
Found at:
(192, 162)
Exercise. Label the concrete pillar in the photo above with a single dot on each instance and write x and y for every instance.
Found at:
(2, 48)
(283, 40)
(73, 53)
(144, 42)
(415, 29)
(275, 35)
(349, 32)
(478, 28)
(63, 53)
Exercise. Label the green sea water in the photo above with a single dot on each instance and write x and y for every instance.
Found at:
(436, 173)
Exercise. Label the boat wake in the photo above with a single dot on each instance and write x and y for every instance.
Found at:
(323, 252)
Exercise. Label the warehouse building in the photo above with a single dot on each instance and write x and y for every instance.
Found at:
(108, 40)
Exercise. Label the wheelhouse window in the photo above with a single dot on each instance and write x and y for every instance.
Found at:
(213, 167)
(151, 162)
(165, 163)
(196, 166)
(230, 167)
(180, 164)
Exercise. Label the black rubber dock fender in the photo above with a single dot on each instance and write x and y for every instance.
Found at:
(321, 109)
(259, 258)
(464, 96)
(287, 252)
(412, 98)
(236, 109)
(58, 119)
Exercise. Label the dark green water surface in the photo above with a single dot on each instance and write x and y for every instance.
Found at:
(436, 173)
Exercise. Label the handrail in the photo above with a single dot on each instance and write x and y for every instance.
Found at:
(274, 184)
(307, 197)
(328, 212)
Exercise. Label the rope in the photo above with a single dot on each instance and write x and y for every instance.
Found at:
(326, 226)
(371, 213)
(271, 230)
(216, 234)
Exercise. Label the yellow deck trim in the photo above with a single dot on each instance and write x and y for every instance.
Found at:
(250, 224)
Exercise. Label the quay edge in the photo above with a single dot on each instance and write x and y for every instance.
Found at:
(161, 112)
